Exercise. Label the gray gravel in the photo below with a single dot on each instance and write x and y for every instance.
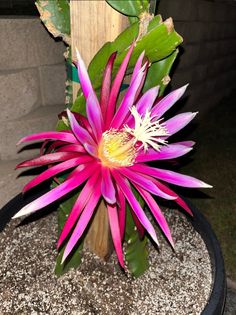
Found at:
(176, 283)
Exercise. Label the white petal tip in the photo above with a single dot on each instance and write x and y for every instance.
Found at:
(207, 186)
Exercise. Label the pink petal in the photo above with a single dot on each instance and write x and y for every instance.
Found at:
(72, 148)
(187, 143)
(121, 212)
(106, 85)
(170, 151)
(55, 145)
(107, 186)
(178, 200)
(94, 115)
(83, 76)
(168, 101)
(83, 122)
(124, 185)
(116, 88)
(56, 193)
(115, 232)
(52, 135)
(157, 213)
(54, 170)
(170, 176)
(144, 104)
(48, 159)
(178, 122)
(127, 101)
(83, 221)
(78, 207)
(143, 182)
(137, 67)
(81, 134)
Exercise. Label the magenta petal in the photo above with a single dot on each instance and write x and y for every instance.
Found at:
(127, 101)
(48, 159)
(83, 122)
(170, 151)
(170, 176)
(78, 207)
(94, 115)
(178, 122)
(157, 213)
(124, 185)
(168, 101)
(178, 200)
(115, 232)
(106, 85)
(137, 67)
(83, 76)
(187, 143)
(52, 135)
(83, 221)
(54, 170)
(116, 87)
(71, 148)
(144, 104)
(107, 186)
(56, 193)
(145, 183)
(121, 212)
(81, 134)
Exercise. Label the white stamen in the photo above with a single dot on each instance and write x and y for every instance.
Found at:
(147, 130)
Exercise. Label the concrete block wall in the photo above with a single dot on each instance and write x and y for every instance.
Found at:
(32, 82)
(208, 55)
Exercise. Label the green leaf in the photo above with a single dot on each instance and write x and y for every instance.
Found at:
(56, 17)
(64, 209)
(136, 254)
(73, 261)
(158, 72)
(129, 7)
(159, 42)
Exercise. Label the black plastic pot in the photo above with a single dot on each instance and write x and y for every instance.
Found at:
(215, 305)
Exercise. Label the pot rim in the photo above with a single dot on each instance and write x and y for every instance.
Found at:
(216, 302)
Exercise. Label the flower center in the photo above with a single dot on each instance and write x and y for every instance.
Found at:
(117, 148)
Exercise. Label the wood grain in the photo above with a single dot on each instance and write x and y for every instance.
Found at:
(92, 24)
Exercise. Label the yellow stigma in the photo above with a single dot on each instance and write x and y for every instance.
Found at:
(117, 148)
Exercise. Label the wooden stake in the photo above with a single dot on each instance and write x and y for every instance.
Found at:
(92, 24)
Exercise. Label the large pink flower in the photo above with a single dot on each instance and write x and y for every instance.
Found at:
(108, 153)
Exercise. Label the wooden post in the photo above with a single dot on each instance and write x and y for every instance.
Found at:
(92, 24)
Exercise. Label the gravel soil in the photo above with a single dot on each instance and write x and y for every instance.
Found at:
(177, 282)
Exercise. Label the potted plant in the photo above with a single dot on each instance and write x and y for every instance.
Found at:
(100, 154)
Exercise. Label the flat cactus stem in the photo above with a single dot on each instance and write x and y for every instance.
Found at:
(55, 16)
(88, 39)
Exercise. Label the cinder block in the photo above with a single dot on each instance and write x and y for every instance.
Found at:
(221, 12)
(192, 32)
(19, 93)
(200, 73)
(43, 118)
(181, 78)
(181, 10)
(206, 11)
(52, 82)
(189, 56)
(26, 43)
(10, 183)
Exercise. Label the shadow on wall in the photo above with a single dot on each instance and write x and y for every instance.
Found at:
(207, 57)
(32, 81)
